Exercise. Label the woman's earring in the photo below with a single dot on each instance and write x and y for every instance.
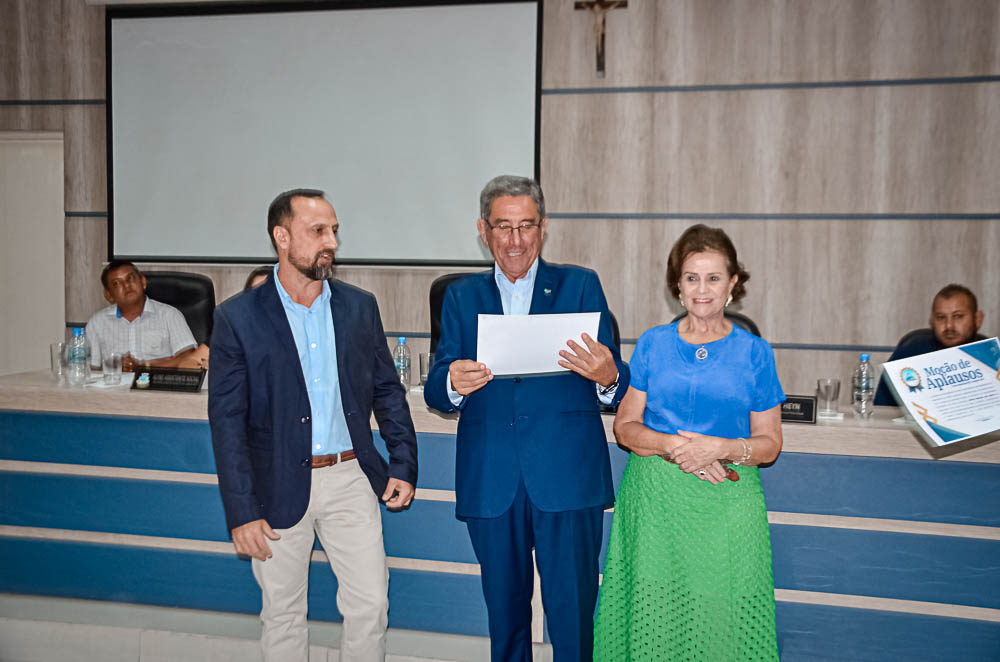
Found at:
(729, 300)
(681, 299)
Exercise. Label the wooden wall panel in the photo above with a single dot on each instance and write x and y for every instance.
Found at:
(84, 132)
(711, 42)
(860, 150)
(31, 118)
(86, 161)
(920, 149)
(31, 50)
(51, 49)
(402, 292)
(86, 251)
(798, 370)
(845, 282)
(83, 50)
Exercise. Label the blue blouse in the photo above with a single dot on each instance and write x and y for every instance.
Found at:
(711, 395)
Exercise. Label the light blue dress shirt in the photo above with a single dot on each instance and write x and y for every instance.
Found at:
(312, 328)
(516, 300)
(516, 297)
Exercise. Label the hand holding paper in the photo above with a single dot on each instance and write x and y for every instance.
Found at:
(468, 376)
(593, 361)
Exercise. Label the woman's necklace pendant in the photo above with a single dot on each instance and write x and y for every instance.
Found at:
(701, 354)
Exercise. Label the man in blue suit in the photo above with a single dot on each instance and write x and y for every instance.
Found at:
(297, 367)
(532, 468)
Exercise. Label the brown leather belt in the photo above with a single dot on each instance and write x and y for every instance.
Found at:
(320, 461)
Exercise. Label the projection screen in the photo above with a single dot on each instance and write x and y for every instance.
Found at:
(400, 114)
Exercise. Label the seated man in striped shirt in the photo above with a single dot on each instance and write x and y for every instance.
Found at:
(136, 326)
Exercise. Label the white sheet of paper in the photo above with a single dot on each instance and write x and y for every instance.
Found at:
(530, 344)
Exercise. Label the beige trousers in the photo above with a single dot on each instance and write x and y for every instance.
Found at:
(344, 512)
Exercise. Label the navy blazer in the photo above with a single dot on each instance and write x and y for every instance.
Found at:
(258, 407)
(545, 430)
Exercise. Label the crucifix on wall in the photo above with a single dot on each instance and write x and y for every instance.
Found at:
(599, 10)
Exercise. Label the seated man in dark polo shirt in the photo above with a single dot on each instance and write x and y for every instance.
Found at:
(955, 320)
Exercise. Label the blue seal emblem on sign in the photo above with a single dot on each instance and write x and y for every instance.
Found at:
(911, 378)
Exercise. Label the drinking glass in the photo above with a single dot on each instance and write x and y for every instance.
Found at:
(828, 390)
(111, 363)
(57, 360)
(426, 361)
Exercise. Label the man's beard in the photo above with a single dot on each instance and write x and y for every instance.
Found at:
(314, 270)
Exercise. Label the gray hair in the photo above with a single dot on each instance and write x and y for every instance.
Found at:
(512, 185)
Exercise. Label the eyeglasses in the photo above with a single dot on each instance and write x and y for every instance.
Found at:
(505, 229)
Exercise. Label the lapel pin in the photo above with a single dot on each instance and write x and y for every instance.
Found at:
(547, 291)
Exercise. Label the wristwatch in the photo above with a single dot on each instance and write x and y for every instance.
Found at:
(605, 390)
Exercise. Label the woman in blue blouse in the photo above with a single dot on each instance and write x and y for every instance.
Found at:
(688, 575)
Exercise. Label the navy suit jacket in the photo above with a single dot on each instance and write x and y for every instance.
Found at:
(545, 430)
(258, 407)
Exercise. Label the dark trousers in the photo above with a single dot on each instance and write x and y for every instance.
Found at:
(567, 545)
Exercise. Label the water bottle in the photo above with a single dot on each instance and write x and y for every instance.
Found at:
(864, 388)
(78, 358)
(401, 357)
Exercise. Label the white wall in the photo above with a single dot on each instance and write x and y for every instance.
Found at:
(32, 248)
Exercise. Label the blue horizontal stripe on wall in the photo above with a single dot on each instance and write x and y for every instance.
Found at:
(880, 564)
(149, 508)
(427, 530)
(436, 602)
(891, 488)
(113, 441)
(168, 578)
(435, 459)
(167, 444)
(804, 85)
(811, 633)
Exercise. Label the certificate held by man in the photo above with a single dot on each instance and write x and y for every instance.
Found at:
(952, 394)
(530, 344)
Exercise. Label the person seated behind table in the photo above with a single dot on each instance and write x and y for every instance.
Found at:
(139, 328)
(258, 277)
(955, 320)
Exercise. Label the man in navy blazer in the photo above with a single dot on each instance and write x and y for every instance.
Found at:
(532, 468)
(297, 367)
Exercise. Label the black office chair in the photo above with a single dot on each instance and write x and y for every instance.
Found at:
(192, 294)
(739, 319)
(921, 337)
(436, 296)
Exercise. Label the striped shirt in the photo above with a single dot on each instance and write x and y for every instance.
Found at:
(159, 332)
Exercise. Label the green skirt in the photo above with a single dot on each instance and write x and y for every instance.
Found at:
(688, 574)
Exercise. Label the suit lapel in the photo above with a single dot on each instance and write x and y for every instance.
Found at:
(275, 314)
(341, 325)
(544, 292)
(492, 305)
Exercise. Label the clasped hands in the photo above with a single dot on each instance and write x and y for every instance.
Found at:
(593, 362)
(699, 453)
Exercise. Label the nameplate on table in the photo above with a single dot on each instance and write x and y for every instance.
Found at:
(182, 380)
(799, 409)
